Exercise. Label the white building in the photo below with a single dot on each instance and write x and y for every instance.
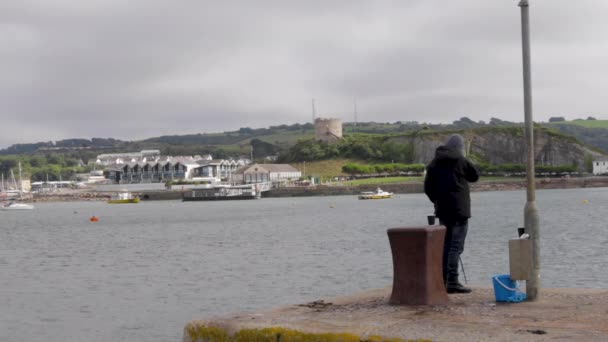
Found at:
(600, 166)
(129, 157)
(258, 173)
(174, 168)
(221, 169)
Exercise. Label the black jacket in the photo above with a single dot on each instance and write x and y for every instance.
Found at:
(447, 184)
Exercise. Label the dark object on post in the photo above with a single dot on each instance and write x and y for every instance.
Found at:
(417, 263)
(431, 220)
(521, 231)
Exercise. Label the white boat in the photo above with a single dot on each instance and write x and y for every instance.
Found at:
(378, 194)
(123, 197)
(12, 205)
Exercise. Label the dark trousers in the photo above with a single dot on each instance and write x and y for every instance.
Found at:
(453, 245)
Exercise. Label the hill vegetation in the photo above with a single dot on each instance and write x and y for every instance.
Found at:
(53, 167)
(591, 132)
(367, 143)
(356, 146)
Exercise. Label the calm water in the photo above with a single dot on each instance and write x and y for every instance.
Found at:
(144, 270)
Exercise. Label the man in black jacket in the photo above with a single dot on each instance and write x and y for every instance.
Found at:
(447, 186)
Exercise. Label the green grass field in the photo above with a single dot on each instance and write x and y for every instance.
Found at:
(586, 123)
(323, 168)
(244, 150)
(327, 169)
(286, 139)
(383, 180)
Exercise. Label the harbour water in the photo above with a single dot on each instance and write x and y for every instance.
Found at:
(144, 270)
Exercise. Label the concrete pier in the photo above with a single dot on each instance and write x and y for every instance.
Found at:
(561, 314)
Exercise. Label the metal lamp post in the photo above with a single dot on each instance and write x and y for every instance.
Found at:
(530, 210)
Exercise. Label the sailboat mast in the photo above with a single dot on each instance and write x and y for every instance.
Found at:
(13, 179)
(20, 183)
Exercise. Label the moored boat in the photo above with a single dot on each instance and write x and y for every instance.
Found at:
(123, 197)
(378, 194)
(12, 205)
(227, 192)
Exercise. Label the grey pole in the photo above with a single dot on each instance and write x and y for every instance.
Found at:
(530, 210)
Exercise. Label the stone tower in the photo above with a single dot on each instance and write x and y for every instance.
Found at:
(328, 130)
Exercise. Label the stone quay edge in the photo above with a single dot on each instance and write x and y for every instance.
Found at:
(559, 314)
(329, 190)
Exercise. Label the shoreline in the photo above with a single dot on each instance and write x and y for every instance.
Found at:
(561, 313)
(328, 190)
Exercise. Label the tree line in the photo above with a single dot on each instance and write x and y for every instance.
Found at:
(40, 168)
(484, 169)
(364, 147)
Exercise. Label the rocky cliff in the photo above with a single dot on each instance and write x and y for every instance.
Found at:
(505, 146)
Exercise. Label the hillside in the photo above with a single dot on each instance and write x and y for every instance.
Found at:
(584, 123)
(591, 132)
(265, 141)
(389, 142)
(486, 145)
(506, 145)
(228, 143)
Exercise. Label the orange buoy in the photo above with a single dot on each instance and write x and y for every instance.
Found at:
(94, 219)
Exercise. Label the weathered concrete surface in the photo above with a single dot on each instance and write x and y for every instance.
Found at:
(560, 314)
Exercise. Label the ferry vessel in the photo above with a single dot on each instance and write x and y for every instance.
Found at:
(226, 192)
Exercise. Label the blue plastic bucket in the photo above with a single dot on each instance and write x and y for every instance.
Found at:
(507, 290)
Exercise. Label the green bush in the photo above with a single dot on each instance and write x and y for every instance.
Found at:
(520, 169)
(392, 168)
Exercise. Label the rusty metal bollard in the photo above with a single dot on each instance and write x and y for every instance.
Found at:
(417, 265)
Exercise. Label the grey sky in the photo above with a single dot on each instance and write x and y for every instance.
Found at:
(142, 68)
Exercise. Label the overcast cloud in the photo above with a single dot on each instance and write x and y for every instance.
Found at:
(142, 68)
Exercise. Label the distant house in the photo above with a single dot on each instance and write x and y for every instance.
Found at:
(600, 166)
(258, 173)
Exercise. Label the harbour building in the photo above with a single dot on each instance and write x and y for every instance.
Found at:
(278, 174)
(600, 166)
(127, 157)
(173, 168)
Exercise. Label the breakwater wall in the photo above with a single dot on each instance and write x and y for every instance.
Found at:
(418, 187)
(542, 183)
(159, 195)
(320, 190)
(68, 197)
(323, 190)
(152, 195)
